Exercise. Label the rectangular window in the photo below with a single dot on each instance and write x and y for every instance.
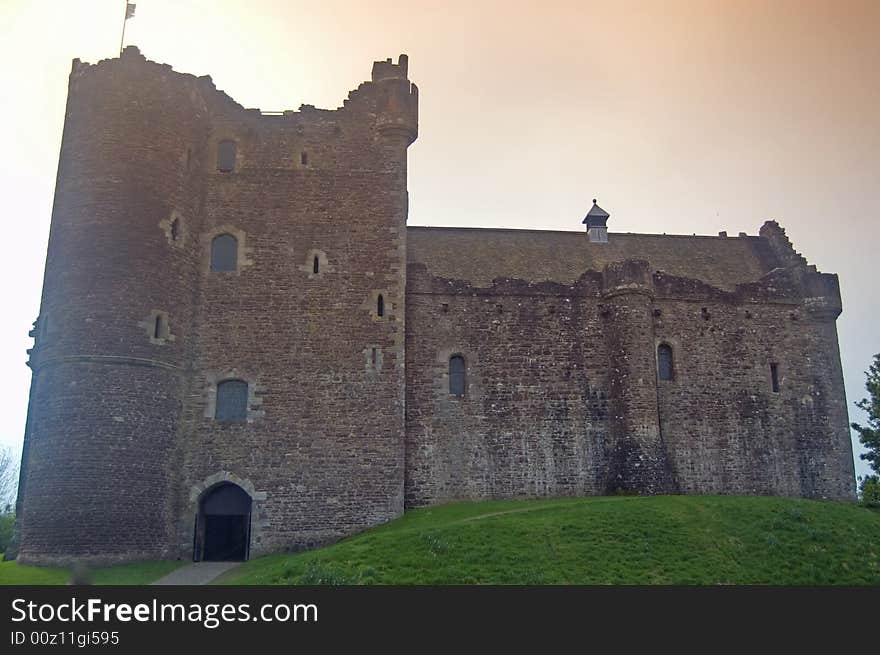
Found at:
(774, 377)
(226, 156)
(456, 375)
(232, 400)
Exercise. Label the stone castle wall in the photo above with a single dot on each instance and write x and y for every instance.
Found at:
(349, 414)
(563, 396)
(100, 449)
(323, 443)
(121, 437)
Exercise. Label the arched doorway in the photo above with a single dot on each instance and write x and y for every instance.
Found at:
(223, 524)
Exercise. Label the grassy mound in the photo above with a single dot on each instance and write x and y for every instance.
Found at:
(11, 573)
(605, 540)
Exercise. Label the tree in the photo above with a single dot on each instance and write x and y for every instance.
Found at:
(869, 435)
(8, 483)
(8, 480)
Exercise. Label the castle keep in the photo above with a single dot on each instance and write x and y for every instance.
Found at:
(242, 348)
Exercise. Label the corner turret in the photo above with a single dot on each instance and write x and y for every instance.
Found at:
(398, 106)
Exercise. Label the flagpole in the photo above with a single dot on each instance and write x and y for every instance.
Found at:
(124, 21)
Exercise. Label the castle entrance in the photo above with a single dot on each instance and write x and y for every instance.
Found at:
(223, 524)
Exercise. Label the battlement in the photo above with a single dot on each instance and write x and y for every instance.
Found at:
(386, 70)
(400, 99)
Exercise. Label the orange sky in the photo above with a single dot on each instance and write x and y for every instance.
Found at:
(679, 116)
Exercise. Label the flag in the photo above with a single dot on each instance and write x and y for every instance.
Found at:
(129, 10)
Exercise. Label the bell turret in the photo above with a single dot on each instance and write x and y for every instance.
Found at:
(595, 220)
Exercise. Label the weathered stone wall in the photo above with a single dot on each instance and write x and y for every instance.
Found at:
(138, 200)
(533, 418)
(105, 405)
(588, 414)
(726, 430)
(323, 443)
(349, 412)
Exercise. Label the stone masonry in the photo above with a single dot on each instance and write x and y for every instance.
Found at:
(342, 322)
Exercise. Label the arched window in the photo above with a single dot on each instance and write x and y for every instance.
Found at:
(224, 253)
(232, 400)
(380, 306)
(665, 370)
(226, 156)
(456, 375)
(315, 265)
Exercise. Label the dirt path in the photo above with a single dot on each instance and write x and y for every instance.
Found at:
(197, 573)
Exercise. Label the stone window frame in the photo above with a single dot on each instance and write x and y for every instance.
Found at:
(324, 266)
(674, 349)
(370, 367)
(254, 400)
(166, 225)
(149, 325)
(372, 303)
(243, 254)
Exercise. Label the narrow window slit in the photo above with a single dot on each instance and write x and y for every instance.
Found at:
(380, 306)
(774, 377)
(315, 265)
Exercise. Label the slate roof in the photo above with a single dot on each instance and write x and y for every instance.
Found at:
(596, 216)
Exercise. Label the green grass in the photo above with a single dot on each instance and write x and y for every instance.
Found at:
(11, 573)
(605, 540)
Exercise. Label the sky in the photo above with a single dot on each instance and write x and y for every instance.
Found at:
(680, 116)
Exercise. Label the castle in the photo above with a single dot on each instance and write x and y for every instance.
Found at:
(242, 348)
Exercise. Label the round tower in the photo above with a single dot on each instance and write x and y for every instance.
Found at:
(637, 458)
(111, 340)
(827, 469)
(397, 116)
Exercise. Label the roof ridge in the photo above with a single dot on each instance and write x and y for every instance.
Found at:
(577, 232)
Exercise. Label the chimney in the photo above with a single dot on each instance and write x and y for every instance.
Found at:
(595, 220)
